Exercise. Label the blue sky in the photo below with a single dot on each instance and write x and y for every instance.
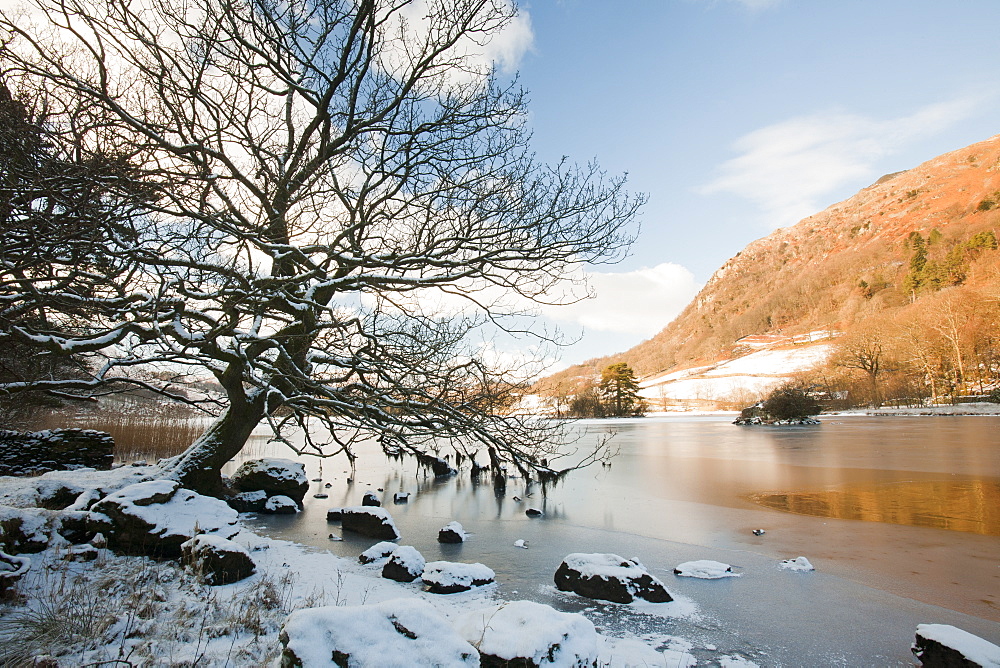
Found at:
(741, 116)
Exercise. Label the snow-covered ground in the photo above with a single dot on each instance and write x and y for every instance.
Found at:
(753, 374)
(136, 611)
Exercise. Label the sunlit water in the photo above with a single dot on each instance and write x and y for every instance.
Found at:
(900, 516)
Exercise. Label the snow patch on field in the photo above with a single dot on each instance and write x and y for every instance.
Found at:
(756, 373)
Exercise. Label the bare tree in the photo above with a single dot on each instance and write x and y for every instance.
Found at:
(866, 348)
(318, 173)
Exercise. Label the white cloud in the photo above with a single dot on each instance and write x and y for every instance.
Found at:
(640, 302)
(501, 35)
(790, 169)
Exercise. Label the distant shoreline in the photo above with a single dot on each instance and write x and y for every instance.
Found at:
(980, 409)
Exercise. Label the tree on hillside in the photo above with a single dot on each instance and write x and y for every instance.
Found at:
(620, 391)
(866, 349)
(342, 198)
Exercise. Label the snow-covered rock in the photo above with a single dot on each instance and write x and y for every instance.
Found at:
(25, 529)
(398, 633)
(334, 514)
(248, 502)
(533, 512)
(706, 569)
(524, 633)
(452, 532)
(377, 551)
(797, 564)
(154, 518)
(12, 569)
(609, 577)
(279, 504)
(218, 560)
(371, 499)
(74, 526)
(401, 497)
(405, 564)
(274, 476)
(80, 553)
(448, 577)
(56, 495)
(369, 521)
(948, 646)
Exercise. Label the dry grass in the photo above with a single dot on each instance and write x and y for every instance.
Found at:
(134, 611)
(143, 428)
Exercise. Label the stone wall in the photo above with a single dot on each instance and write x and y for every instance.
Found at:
(54, 450)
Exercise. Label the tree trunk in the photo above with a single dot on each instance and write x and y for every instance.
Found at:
(199, 468)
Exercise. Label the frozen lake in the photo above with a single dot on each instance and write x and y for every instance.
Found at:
(899, 515)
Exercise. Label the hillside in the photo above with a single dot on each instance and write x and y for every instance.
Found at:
(841, 267)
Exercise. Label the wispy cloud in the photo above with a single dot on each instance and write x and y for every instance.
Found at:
(640, 302)
(790, 169)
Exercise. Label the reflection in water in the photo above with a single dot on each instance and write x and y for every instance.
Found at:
(957, 505)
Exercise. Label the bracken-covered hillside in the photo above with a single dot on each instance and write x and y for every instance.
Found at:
(842, 266)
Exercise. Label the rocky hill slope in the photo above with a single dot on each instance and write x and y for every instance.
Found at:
(852, 262)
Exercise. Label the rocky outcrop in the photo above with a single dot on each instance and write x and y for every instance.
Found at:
(155, 518)
(610, 578)
(369, 521)
(216, 560)
(371, 499)
(405, 564)
(274, 476)
(943, 646)
(528, 634)
(32, 453)
(400, 632)
(447, 577)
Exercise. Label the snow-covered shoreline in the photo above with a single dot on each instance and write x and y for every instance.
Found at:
(110, 607)
(886, 411)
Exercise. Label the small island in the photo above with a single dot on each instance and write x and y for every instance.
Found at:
(788, 404)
